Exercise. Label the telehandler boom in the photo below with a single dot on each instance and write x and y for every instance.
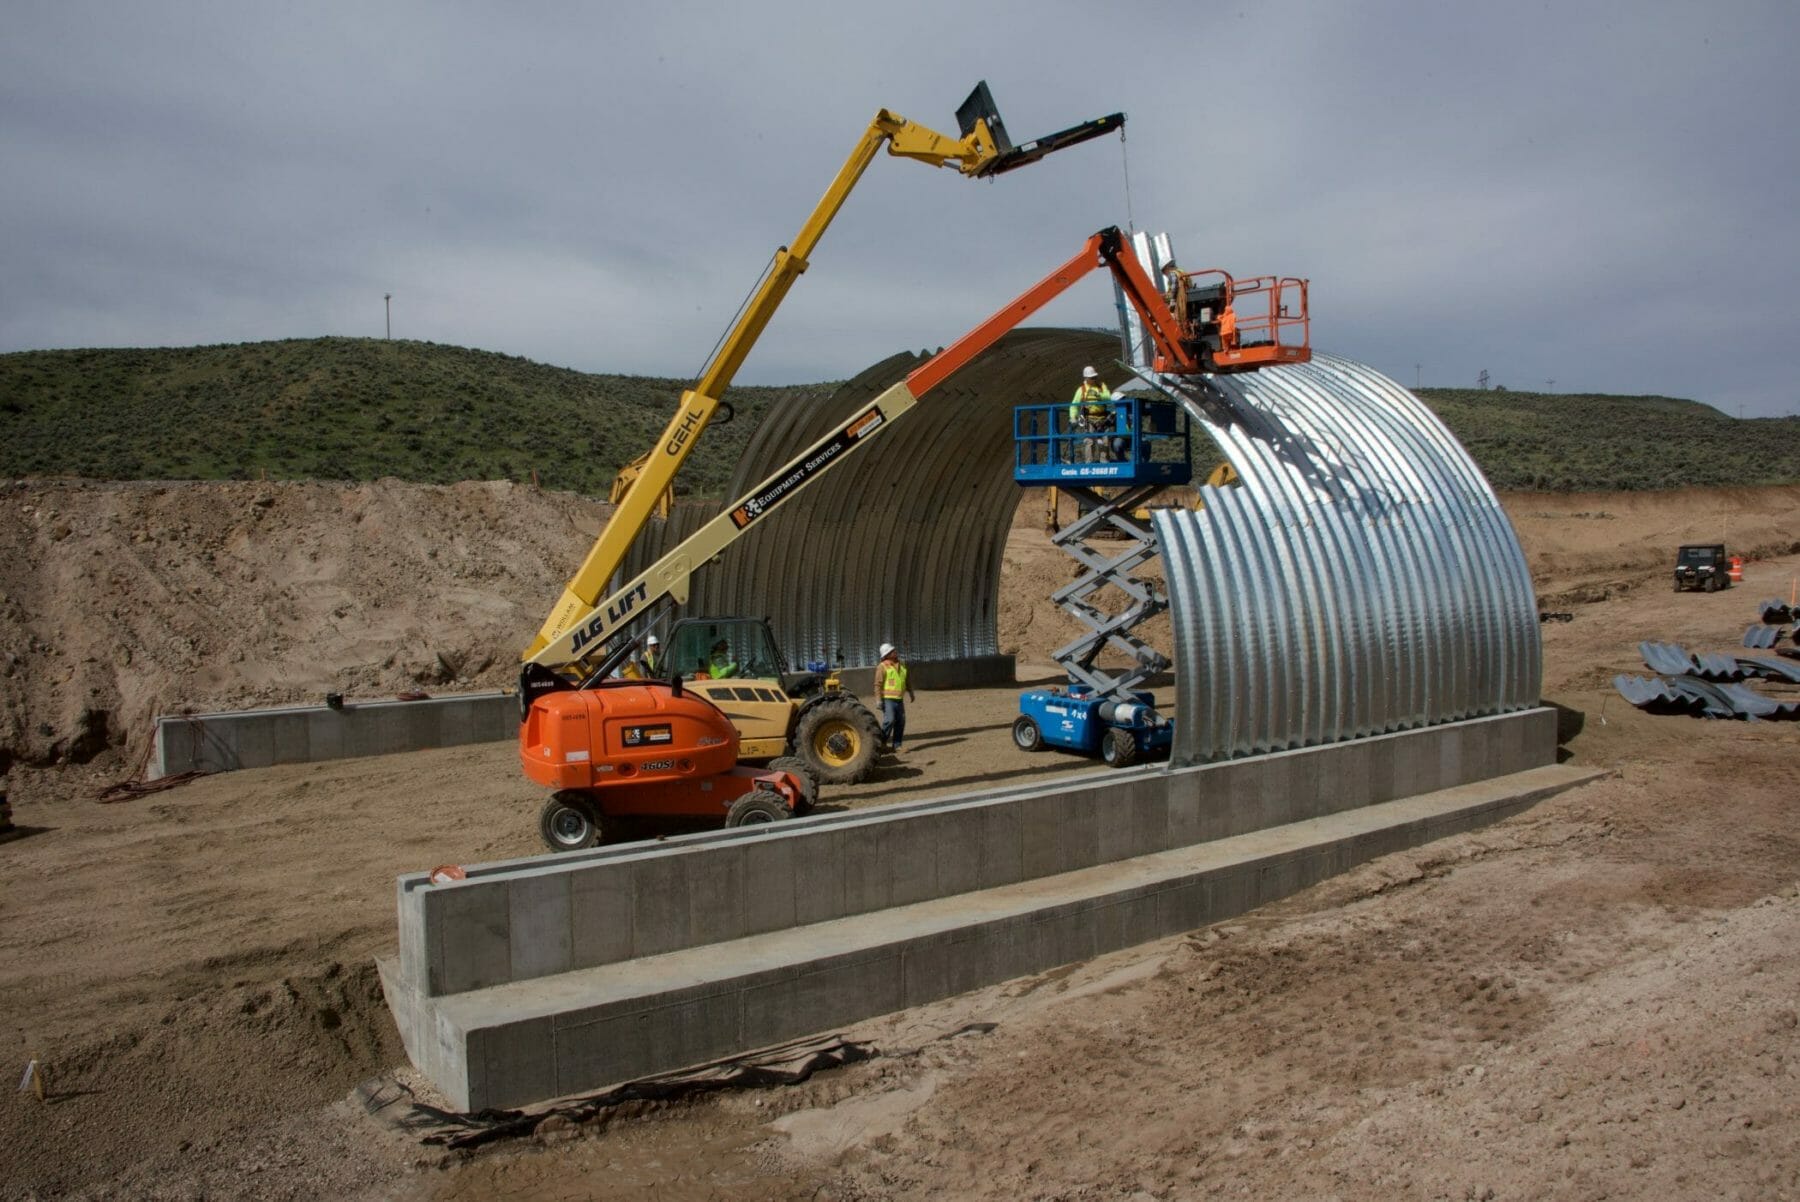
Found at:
(983, 150)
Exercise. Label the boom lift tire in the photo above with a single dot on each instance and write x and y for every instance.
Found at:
(1119, 748)
(569, 822)
(1026, 735)
(838, 739)
(757, 806)
(809, 781)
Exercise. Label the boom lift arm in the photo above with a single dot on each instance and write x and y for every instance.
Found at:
(598, 626)
(983, 150)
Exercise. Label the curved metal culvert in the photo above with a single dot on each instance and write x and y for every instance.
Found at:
(1362, 578)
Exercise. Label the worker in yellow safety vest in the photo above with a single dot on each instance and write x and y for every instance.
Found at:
(1090, 413)
(890, 683)
(719, 664)
(650, 664)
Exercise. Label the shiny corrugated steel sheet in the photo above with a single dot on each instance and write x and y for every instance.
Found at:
(1362, 578)
(905, 543)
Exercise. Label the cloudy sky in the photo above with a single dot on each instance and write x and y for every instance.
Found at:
(1602, 195)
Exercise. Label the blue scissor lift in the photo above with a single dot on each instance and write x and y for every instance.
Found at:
(1143, 451)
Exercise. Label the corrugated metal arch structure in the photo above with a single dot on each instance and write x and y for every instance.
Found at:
(1361, 579)
(905, 545)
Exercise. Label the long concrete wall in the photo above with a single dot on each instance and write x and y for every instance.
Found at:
(232, 739)
(497, 968)
(518, 919)
(226, 741)
(580, 1031)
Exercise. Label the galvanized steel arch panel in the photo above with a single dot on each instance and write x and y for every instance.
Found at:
(906, 543)
(1362, 578)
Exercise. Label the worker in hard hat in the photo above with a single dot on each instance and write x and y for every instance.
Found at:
(1228, 331)
(650, 663)
(719, 664)
(895, 692)
(1090, 413)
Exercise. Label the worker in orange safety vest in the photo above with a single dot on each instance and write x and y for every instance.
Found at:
(1228, 336)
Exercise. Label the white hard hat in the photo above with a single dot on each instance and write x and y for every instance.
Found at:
(887, 649)
(652, 641)
(1088, 372)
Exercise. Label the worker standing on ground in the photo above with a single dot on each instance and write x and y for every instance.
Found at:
(1090, 409)
(890, 683)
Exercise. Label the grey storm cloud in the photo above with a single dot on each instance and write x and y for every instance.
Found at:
(1599, 194)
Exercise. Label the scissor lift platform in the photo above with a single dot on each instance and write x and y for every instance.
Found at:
(1144, 441)
(1141, 449)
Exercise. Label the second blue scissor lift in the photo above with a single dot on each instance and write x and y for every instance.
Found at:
(1141, 449)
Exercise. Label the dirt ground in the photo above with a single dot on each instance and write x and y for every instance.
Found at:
(1596, 998)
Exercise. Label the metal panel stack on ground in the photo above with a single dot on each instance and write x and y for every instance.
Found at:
(1761, 637)
(1704, 698)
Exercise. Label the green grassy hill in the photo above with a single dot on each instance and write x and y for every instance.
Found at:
(1563, 441)
(359, 409)
(346, 409)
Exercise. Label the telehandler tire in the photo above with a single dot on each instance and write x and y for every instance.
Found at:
(838, 738)
(569, 821)
(809, 781)
(1119, 749)
(757, 806)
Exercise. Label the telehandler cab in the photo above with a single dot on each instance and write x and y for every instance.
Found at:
(799, 721)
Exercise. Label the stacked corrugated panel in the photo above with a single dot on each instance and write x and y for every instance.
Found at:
(1762, 637)
(1362, 578)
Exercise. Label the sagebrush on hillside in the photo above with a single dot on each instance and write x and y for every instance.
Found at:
(349, 409)
(359, 409)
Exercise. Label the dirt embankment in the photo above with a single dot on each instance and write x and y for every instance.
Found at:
(122, 601)
(1583, 547)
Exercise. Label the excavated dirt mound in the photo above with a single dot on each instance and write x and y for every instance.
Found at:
(1595, 997)
(122, 601)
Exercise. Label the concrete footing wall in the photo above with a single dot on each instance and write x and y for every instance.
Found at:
(302, 734)
(551, 975)
(222, 742)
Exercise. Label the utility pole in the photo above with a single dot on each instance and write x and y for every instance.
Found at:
(1418, 370)
(387, 302)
